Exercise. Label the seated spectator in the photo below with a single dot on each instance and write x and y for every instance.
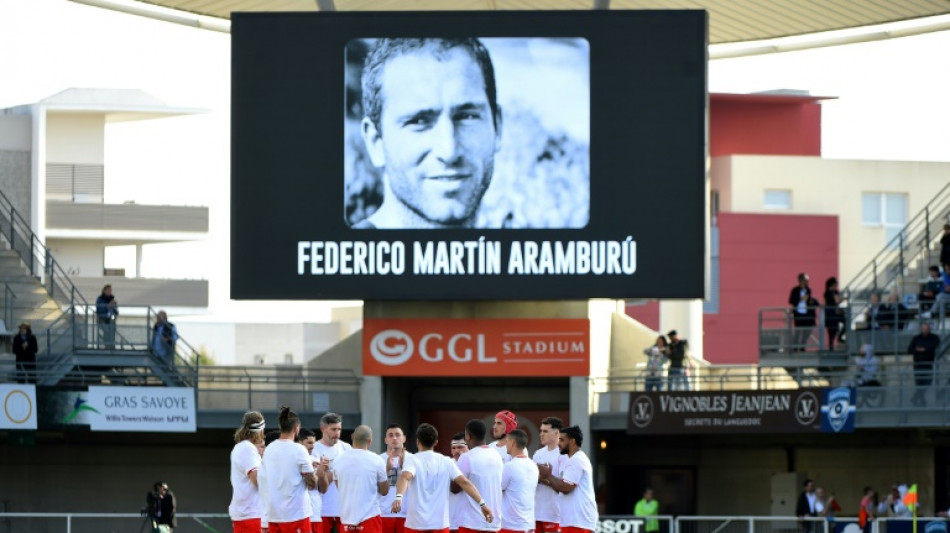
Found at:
(893, 314)
(872, 315)
(930, 289)
(867, 367)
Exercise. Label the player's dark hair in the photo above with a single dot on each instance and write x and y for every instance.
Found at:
(271, 436)
(476, 430)
(305, 434)
(427, 435)
(287, 420)
(554, 422)
(459, 436)
(519, 437)
(574, 432)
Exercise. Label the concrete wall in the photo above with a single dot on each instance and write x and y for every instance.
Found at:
(79, 257)
(830, 187)
(16, 141)
(75, 138)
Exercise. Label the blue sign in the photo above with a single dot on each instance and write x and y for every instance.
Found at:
(838, 410)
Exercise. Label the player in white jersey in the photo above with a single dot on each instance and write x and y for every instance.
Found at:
(483, 467)
(546, 514)
(361, 477)
(519, 480)
(321, 469)
(456, 500)
(330, 447)
(395, 457)
(505, 422)
(423, 482)
(289, 473)
(575, 485)
(245, 509)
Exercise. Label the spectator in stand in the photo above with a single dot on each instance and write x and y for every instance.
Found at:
(924, 349)
(945, 246)
(656, 358)
(931, 289)
(648, 507)
(25, 348)
(873, 316)
(893, 506)
(893, 314)
(160, 506)
(867, 509)
(942, 301)
(678, 354)
(164, 337)
(806, 506)
(803, 312)
(107, 309)
(826, 507)
(867, 367)
(834, 317)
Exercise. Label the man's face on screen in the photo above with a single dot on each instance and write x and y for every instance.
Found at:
(437, 138)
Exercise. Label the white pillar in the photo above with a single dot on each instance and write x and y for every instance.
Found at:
(371, 408)
(580, 408)
(138, 260)
(686, 317)
(38, 183)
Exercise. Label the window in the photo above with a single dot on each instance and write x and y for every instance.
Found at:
(259, 359)
(887, 210)
(777, 199)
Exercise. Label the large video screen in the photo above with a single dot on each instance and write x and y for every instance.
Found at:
(468, 155)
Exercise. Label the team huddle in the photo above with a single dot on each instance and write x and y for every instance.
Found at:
(293, 482)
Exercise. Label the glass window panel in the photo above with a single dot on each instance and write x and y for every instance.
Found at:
(871, 208)
(778, 199)
(895, 209)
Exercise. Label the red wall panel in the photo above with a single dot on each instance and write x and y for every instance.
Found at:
(760, 258)
(647, 314)
(755, 124)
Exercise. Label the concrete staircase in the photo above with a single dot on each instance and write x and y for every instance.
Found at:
(32, 303)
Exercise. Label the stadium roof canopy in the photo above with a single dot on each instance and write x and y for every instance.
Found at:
(730, 21)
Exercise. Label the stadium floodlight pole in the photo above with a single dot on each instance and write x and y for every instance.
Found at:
(163, 14)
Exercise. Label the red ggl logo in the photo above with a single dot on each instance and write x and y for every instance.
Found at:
(393, 347)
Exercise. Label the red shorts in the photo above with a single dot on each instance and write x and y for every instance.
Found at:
(569, 529)
(503, 530)
(547, 527)
(316, 527)
(251, 525)
(370, 525)
(327, 523)
(463, 529)
(445, 530)
(393, 524)
(300, 526)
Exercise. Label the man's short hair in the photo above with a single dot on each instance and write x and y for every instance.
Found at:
(385, 50)
(807, 481)
(476, 429)
(363, 434)
(305, 434)
(330, 418)
(574, 432)
(426, 434)
(519, 437)
(394, 426)
(459, 436)
(158, 485)
(934, 268)
(554, 422)
(271, 436)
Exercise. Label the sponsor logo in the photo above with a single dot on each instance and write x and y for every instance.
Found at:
(393, 347)
(18, 406)
(79, 407)
(642, 412)
(806, 408)
(838, 410)
(628, 525)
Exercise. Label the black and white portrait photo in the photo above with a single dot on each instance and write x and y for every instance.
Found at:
(486, 133)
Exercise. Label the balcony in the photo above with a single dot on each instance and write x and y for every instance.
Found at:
(132, 221)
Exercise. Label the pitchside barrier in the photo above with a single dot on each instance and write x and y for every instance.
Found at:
(221, 523)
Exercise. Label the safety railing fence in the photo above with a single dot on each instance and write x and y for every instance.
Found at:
(782, 330)
(914, 243)
(109, 522)
(758, 524)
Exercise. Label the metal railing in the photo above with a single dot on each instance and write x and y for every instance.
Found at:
(757, 524)
(98, 522)
(915, 241)
(9, 297)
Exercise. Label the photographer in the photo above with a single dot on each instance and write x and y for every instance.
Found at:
(160, 508)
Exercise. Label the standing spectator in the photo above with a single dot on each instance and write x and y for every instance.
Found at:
(678, 354)
(647, 506)
(107, 309)
(656, 358)
(805, 507)
(803, 312)
(833, 315)
(893, 505)
(867, 509)
(942, 301)
(931, 289)
(25, 348)
(826, 507)
(945, 246)
(924, 349)
(161, 508)
(164, 337)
